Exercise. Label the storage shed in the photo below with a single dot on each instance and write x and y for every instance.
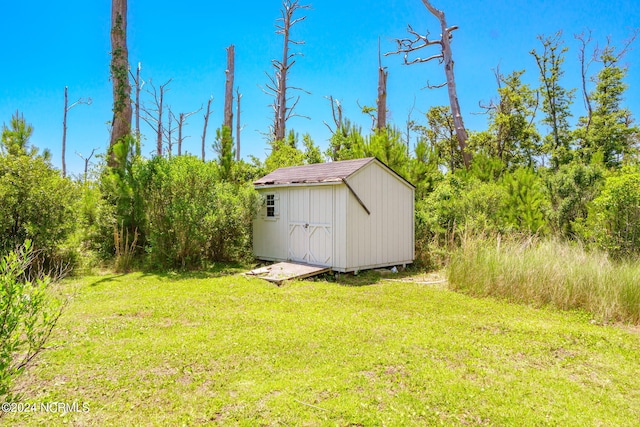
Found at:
(348, 215)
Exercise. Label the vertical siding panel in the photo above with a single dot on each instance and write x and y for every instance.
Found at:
(340, 245)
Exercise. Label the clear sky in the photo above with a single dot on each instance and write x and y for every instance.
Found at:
(48, 45)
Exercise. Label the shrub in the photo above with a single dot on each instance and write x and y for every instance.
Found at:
(570, 189)
(36, 203)
(526, 206)
(29, 314)
(455, 208)
(614, 216)
(191, 216)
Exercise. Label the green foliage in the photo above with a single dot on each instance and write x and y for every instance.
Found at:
(312, 153)
(192, 217)
(223, 145)
(609, 131)
(388, 146)
(614, 216)
(244, 172)
(569, 190)
(556, 100)
(29, 314)
(121, 187)
(15, 139)
(423, 169)
(36, 203)
(485, 168)
(283, 155)
(525, 205)
(458, 206)
(346, 143)
(441, 134)
(512, 136)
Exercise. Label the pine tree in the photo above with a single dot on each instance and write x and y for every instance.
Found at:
(556, 100)
(608, 136)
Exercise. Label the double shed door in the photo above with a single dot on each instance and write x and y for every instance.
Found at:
(310, 214)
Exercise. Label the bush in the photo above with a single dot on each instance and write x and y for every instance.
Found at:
(526, 205)
(457, 207)
(570, 189)
(29, 313)
(36, 203)
(614, 216)
(191, 216)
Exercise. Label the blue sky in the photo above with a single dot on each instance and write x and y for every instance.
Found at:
(49, 45)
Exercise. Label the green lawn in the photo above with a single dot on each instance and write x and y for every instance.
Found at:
(147, 349)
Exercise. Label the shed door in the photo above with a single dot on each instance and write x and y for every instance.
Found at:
(311, 225)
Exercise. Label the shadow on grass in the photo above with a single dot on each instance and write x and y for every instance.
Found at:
(219, 269)
(110, 278)
(370, 277)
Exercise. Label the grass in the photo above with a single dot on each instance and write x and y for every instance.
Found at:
(163, 349)
(549, 272)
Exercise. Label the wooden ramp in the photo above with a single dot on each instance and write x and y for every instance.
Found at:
(278, 273)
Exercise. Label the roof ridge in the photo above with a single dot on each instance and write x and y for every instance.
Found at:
(314, 173)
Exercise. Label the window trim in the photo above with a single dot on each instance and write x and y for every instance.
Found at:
(271, 206)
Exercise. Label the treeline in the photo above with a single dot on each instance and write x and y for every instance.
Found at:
(532, 172)
(161, 213)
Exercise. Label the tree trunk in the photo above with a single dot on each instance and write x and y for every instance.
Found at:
(64, 131)
(159, 130)
(279, 82)
(180, 123)
(382, 94)
(228, 89)
(382, 99)
(461, 132)
(206, 123)
(279, 127)
(238, 129)
(138, 88)
(121, 123)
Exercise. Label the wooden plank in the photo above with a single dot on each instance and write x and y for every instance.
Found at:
(278, 273)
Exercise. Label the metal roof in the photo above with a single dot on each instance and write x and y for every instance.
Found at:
(315, 173)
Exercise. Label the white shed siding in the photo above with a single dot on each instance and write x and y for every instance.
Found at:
(340, 197)
(269, 234)
(385, 237)
(324, 223)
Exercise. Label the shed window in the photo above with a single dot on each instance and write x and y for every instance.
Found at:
(271, 205)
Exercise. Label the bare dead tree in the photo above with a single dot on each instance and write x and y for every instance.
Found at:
(168, 131)
(228, 89)
(238, 125)
(278, 84)
(408, 46)
(121, 123)
(68, 107)
(585, 39)
(86, 162)
(336, 114)
(153, 115)
(139, 83)
(206, 123)
(410, 124)
(182, 122)
(381, 102)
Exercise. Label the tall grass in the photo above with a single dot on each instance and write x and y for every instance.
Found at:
(548, 272)
(125, 249)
